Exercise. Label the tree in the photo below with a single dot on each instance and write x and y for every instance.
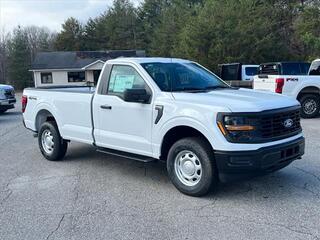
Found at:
(116, 28)
(174, 16)
(149, 20)
(235, 31)
(19, 59)
(4, 56)
(120, 25)
(71, 36)
(39, 39)
(307, 30)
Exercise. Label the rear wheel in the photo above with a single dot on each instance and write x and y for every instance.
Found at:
(310, 105)
(190, 166)
(2, 111)
(51, 145)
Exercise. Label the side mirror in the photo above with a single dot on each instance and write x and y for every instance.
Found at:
(139, 95)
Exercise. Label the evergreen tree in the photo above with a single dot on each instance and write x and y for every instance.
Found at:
(307, 31)
(71, 36)
(149, 19)
(19, 60)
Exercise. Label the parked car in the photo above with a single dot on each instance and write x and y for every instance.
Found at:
(172, 110)
(7, 98)
(304, 88)
(238, 71)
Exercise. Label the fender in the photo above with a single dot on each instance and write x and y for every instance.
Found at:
(45, 106)
(181, 121)
(304, 85)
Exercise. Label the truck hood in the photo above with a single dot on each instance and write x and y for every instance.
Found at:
(238, 100)
(2, 86)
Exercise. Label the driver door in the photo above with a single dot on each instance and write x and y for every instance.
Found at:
(120, 125)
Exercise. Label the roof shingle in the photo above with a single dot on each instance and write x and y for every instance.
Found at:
(78, 60)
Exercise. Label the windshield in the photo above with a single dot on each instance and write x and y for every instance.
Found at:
(182, 77)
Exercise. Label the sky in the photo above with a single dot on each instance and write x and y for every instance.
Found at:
(49, 13)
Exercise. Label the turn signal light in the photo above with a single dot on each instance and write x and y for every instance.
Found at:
(220, 125)
(239, 127)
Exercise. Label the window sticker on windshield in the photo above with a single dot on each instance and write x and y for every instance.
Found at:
(122, 82)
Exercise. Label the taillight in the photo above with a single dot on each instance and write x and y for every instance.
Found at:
(24, 101)
(279, 85)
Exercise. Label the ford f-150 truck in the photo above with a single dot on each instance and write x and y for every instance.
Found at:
(290, 79)
(172, 110)
(7, 98)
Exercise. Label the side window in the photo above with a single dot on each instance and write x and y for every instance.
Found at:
(315, 68)
(251, 71)
(122, 78)
(291, 69)
(304, 68)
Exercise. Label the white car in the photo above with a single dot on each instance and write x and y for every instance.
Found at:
(304, 88)
(238, 71)
(173, 110)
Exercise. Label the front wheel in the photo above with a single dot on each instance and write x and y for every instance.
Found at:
(190, 166)
(310, 105)
(51, 145)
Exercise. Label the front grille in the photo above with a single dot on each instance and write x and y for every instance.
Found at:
(272, 125)
(9, 93)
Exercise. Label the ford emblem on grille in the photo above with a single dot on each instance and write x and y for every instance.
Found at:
(288, 123)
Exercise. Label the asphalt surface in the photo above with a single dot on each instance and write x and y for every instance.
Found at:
(90, 195)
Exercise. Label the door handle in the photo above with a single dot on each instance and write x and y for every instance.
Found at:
(107, 107)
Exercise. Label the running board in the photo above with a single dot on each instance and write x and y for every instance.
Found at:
(127, 155)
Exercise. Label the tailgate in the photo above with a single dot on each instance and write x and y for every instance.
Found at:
(265, 82)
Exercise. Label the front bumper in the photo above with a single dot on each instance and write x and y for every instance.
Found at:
(244, 164)
(6, 104)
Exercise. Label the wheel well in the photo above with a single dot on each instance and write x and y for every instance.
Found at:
(308, 90)
(175, 134)
(43, 116)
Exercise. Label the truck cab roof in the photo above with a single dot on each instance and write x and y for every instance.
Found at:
(148, 60)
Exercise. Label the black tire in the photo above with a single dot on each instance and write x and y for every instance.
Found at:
(60, 146)
(2, 111)
(310, 105)
(204, 154)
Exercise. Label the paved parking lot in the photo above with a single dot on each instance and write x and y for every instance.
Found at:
(90, 195)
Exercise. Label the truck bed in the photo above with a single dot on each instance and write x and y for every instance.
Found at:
(70, 89)
(70, 106)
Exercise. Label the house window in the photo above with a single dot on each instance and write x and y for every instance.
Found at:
(76, 76)
(46, 77)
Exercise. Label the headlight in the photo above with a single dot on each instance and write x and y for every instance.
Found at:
(237, 123)
(238, 129)
(2, 91)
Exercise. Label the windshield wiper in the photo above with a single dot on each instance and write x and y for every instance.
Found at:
(195, 89)
(190, 89)
(215, 87)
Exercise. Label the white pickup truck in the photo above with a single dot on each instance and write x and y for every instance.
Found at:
(173, 110)
(304, 88)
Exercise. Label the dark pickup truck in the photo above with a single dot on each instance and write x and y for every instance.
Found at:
(7, 98)
(284, 68)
